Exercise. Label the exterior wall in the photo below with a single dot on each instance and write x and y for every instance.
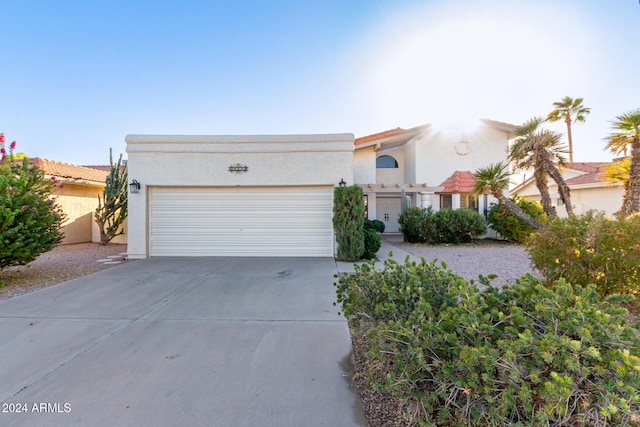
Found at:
(79, 203)
(605, 198)
(441, 152)
(121, 239)
(364, 166)
(391, 176)
(273, 160)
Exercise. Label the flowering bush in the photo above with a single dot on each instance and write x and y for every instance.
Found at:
(590, 248)
(30, 219)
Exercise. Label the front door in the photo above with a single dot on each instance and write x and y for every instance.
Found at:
(388, 210)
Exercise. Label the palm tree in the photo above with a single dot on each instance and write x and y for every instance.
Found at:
(627, 133)
(539, 149)
(618, 172)
(495, 179)
(571, 110)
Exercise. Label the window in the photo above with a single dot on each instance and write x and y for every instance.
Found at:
(445, 201)
(469, 201)
(366, 206)
(559, 202)
(386, 162)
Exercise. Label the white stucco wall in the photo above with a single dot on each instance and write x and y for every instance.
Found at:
(203, 160)
(391, 176)
(439, 153)
(364, 165)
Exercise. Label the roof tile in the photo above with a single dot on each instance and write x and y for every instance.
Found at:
(66, 170)
(459, 183)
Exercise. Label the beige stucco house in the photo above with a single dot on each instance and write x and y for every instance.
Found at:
(588, 185)
(207, 195)
(78, 197)
(433, 166)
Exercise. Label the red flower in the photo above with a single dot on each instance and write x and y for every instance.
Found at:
(13, 145)
(1, 138)
(3, 151)
(25, 207)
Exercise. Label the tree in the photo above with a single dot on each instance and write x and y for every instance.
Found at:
(348, 222)
(571, 111)
(30, 219)
(112, 206)
(618, 172)
(495, 179)
(540, 149)
(627, 133)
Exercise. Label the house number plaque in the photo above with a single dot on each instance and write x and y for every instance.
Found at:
(238, 168)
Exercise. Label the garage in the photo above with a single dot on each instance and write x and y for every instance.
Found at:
(234, 195)
(244, 221)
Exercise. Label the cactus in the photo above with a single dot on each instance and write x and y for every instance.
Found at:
(406, 201)
(112, 206)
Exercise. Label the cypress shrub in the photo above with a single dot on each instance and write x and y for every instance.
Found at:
(348, 222)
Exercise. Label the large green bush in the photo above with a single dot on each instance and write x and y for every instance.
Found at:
(372, 243)
(590, 248)
(420, 225)
(525, 355)
(374, 224)
(348, 222)
(511, 227)
(411, 221)
(30, 219)
(454, 226)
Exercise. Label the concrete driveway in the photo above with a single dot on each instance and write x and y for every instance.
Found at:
(181, 341)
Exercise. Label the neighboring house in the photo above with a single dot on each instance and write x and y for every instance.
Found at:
(588, 185)
(432, 165)
(78, 198)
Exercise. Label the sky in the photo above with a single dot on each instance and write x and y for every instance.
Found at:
(77, 76)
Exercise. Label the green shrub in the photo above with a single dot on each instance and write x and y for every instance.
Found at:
(30, 219)
(420, 225)
(454, 226)
(590, 248)
(372, 243)
(524, 355)
(392, 292)
(411, 221)
(511, 227)
(348, 222)
(374, 224)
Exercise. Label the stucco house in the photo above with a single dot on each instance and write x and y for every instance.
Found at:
(433, 165)
(78, 198)
(272, 195)
(588, 185)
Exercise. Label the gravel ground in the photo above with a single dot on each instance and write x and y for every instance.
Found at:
(62, 263)
(506, 260)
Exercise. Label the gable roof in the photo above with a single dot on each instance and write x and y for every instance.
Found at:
(69, 172)
(459, 182)
(593, 173)
(403, 135)
(589, 167)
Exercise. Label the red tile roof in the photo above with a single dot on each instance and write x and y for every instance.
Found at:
(458, 183)
(597, 175)
(589, 167)
(66, 170)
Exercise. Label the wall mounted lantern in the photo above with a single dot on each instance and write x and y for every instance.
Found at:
(134, 187)
(342, 183)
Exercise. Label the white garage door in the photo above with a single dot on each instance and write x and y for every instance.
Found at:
(250, 221)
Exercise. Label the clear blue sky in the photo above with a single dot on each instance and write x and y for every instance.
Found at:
(77, 76)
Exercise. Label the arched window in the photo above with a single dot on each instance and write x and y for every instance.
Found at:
(386, 162)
